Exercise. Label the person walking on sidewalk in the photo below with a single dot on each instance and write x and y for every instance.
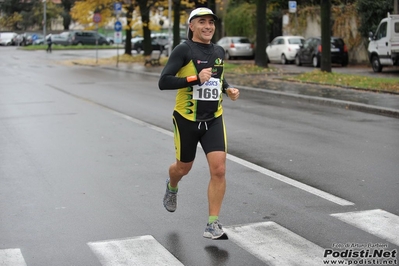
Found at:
(49, 44)
(195, 70)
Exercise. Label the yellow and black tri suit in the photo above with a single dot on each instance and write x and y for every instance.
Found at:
(198, 110)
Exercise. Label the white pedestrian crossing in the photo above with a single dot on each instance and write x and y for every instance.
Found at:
(377, 222)
(276, 245)
(138, 251)
(11, 257)
(268, 241)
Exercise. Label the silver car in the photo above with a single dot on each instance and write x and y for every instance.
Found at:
(237, 46)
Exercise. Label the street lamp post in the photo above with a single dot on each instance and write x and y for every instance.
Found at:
(169, 27)
(44, 18)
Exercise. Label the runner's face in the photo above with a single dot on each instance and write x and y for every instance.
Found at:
(203, 29)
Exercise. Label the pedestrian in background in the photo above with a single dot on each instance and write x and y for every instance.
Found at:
(196, 70)
(49, 44)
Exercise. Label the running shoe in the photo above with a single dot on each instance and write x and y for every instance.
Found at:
(170, 199)
(215, 231)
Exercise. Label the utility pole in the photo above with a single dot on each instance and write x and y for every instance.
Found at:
(44, 19)
(395, 7)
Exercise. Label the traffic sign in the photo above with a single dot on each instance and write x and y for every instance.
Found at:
(118, 37)
(118, 7)
(292, 6)
(118, 26)
(97, 18)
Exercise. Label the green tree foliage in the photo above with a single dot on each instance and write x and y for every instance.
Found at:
(25, 15)
(371, 12)
(241, 21)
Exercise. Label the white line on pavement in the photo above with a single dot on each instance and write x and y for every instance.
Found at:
(11, 257)
(138, 251)
(275, 244)
(377, 222)
(292, 182)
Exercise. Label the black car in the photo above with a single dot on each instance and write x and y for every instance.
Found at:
(310, 52)
(156, 44)
(87, 38)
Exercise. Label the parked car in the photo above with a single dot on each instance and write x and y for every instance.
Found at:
(236, 46)
(109, 39)
(310, 52)
(156, 44)
(283, 49)
(87, 38)
(27, 38)
(7, 38)
(60, 39)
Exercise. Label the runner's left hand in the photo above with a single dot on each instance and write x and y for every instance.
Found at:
(233, 93)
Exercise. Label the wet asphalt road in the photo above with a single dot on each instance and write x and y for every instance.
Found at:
(78, 164)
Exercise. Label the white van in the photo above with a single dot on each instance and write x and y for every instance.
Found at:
(7, 38)
(383, 48)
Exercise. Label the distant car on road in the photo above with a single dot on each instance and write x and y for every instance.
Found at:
(236, 46)
(310, 52)
(283, 49)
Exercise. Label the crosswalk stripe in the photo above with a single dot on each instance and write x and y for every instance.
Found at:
(275, 244)
(377, 222)
(142, 250)
(11, 257)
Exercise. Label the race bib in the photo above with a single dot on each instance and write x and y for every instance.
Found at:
(209, 91)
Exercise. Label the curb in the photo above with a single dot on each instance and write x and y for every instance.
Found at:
(331, 102)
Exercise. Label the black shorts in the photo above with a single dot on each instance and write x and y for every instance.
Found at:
(211, 134)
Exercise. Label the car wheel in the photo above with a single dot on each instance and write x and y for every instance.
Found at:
(344, 63)
(138, 50)
(297, 61)
(315, 61)
(283, 59)
(227, 56)
(375, 63)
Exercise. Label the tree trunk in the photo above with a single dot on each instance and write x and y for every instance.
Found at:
(145, 19)
(261, 34)
(128, 40)
(176, 22)
(325, 12)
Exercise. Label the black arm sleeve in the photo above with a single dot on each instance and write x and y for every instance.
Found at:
(179, 57)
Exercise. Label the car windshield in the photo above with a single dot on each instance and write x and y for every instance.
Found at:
(240, 40)
(295, 41)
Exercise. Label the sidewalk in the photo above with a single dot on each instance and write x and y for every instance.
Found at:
(365, 101)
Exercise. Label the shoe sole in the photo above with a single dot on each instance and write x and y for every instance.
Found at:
(221, 237)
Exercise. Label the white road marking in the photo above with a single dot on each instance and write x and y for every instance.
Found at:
(275, 245)
(137, 251)
(11, 257)
(277, 176)
(291, 182)
(377, 222)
